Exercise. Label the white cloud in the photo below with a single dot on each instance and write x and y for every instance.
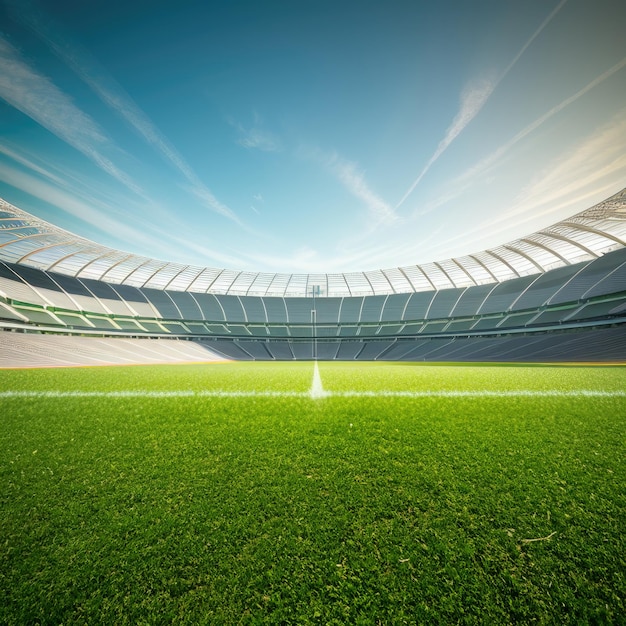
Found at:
(582, 176)
(353, 180)
(149, 236)
(258, 139)
(112, 94)
(306, 260)
(82, 187)
(208, 199)
(532, 38)
(37, 97)
(204, 252)
(72, 205)
(376, 253)
(23, 160)
(465, 180)
(596, 165)
(473, 99)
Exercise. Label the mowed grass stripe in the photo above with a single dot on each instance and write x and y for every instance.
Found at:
(316, 394)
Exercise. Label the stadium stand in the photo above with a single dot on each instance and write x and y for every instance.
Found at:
(51, 350)
(556, 294)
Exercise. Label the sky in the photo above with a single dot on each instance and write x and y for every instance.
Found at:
(310, 136)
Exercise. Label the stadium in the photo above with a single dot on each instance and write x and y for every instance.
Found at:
(555, 295)
(312, 313)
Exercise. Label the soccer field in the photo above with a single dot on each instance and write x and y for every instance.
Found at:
(284, 493)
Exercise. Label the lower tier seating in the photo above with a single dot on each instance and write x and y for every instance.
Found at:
(584, 345)
(48, 350)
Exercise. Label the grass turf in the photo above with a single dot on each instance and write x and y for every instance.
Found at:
(298, 511)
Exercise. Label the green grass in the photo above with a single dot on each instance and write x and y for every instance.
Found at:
(288, 510)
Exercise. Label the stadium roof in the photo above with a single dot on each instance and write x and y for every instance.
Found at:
(28, 240)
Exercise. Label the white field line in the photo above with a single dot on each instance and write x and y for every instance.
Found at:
(317, 390)
(514, 393)
(316, 393)
(217, 393)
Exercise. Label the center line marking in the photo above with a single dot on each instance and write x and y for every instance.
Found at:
(317, 389)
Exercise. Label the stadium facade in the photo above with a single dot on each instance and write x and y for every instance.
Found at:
(555, 295)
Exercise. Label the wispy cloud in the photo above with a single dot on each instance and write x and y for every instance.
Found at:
(94, 192)
(545, 22)
(469, 177)
(306, 259)
(206, 253)
(473, 99)
(495, 156)
(100, 218)
(302, 259)
(208, 199)
(595, 166)
(256, 137)
(105, 217)
(353, 179)
(26, 162)
(258, 199)
(372, 254)
(37, 97)
(114, 96)
(588, 173)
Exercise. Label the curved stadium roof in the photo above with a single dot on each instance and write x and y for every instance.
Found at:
(30, 241)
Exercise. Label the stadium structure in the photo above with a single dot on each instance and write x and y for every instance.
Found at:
(558, 294)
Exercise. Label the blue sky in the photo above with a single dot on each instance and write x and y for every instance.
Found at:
(310, 136)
